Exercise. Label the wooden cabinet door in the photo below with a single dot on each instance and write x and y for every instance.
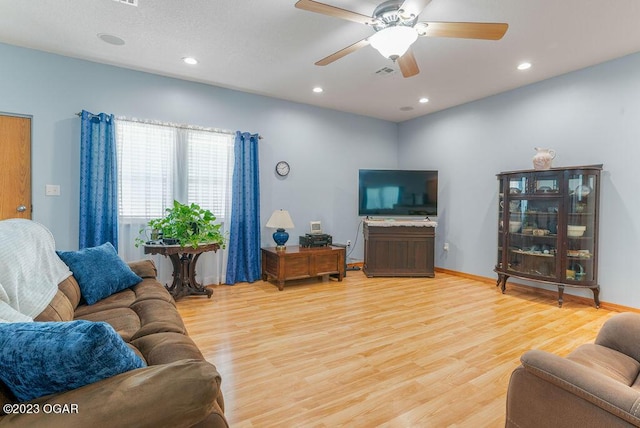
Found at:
(399, 251)
(15, 167)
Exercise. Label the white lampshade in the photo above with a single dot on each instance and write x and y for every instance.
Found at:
(393, 42)
(280, 219)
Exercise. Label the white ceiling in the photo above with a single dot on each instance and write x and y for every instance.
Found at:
(269, 47)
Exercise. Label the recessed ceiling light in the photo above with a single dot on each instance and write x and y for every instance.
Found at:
(189, 60)
(111, 39)
(524, 66)
(424, 100)
(318, 90)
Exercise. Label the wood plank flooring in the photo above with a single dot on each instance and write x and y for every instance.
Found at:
(366, 352)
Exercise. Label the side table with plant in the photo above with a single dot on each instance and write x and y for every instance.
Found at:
(186, 225)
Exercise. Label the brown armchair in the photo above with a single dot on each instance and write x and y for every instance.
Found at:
(596, 385)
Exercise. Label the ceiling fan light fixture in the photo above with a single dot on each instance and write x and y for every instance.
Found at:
(406, 16)
(421, 28)
(393, 42)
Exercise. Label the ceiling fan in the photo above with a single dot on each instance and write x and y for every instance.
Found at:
(397, 27)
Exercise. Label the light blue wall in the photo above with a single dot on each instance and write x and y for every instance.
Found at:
(325, 148)
(591, 116)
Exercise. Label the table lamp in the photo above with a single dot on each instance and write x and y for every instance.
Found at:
(280, 220)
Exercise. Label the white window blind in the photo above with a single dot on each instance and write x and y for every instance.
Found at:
(160, 163)
(210, 166)
(146, 166)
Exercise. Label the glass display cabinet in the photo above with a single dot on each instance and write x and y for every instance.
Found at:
(548, 227)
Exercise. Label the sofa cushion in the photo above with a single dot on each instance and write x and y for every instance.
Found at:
(59, 309)
(71, 289)
(99, 271)
(148, 289)
(609, 362)
(180, 394)
(123, 320)
(157, 316)
(144, 268)
(120, 300)
(164, 348)
(41, 358)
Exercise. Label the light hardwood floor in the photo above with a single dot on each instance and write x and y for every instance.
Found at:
(366, 352)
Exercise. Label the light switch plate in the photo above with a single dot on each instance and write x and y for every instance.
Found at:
(52, 190)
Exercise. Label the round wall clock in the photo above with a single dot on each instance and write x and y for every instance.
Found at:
(282, 169)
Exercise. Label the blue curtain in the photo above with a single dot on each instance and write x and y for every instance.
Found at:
(244, 233)
(98, 181)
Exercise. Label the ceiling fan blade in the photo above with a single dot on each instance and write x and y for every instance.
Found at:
(408, 64)
(336, 12)
(343, 52)
(413, 7)
(465, 30)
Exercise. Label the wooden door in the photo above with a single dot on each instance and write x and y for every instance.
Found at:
(15, 167)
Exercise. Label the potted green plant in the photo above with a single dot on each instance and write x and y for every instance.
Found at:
(185, 225)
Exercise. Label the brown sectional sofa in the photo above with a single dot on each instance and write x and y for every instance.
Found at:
(178, 388)
(597, 385)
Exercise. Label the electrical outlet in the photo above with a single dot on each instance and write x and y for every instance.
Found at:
(348, 242)
(446, 246)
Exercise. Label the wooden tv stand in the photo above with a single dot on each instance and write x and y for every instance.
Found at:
(298, 262)
(399, 248)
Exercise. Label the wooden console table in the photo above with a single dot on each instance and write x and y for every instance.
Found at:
(399, 248)
(297, 262)
(184, 261)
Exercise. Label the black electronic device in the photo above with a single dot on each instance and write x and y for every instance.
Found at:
(315, 240)
(397, 193)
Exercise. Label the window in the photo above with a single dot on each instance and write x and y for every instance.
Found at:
(210, 166)
(158, 163)
(146, 164)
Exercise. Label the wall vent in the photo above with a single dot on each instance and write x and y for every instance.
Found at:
(385, 71)
(129, 2)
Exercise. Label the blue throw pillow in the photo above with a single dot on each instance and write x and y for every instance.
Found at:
(100, 272)
(41, 358)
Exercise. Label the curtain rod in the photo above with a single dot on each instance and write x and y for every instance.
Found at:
(174, 125)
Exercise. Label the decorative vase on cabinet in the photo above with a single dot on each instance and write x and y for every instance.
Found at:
(548, 227)
(543, 158)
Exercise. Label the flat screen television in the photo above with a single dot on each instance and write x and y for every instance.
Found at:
(386, 192)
